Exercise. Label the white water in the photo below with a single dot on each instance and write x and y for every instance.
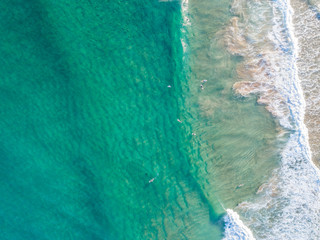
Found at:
(186, 23)
(235, 229)
(288, 207)
(307, 30)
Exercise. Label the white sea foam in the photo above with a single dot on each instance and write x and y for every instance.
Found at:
(185, 24)
(288, 207)
(185, 12)
(307, 30)
(235, 229)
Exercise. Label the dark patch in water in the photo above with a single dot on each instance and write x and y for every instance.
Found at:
(237, 58)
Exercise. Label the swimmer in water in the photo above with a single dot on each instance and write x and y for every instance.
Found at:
(193, 134)
(204, 81)
(201, 86)
(152, 179)
(179, 120)
(239, 186)
(169, 86)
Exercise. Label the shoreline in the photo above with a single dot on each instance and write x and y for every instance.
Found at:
(283, 95)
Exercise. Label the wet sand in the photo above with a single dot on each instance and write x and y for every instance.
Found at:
(307, 27)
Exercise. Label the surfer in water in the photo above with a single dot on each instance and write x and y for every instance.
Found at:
(152, 179)
(240, 185)
(203, 82)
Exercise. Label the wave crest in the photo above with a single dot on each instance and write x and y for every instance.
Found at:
(288, 206)
(235, 229)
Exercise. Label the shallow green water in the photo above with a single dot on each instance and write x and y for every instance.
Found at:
(236, 138)
(88, 120)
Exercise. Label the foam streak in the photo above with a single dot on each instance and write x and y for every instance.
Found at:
(290, 206)
(235, 229)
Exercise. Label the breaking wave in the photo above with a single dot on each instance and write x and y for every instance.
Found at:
(288, 206)
(235, 229)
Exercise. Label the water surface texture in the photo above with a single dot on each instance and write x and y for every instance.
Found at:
(88, 121)
(158, 120)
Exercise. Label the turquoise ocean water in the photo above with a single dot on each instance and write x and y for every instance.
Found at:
(88, 120)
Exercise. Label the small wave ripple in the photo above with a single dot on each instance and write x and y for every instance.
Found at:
(288, 206)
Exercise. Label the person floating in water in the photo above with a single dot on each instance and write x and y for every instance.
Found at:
(240, 185)
(169, 86)
(152, 179)
(203, 81)
(193, 134)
